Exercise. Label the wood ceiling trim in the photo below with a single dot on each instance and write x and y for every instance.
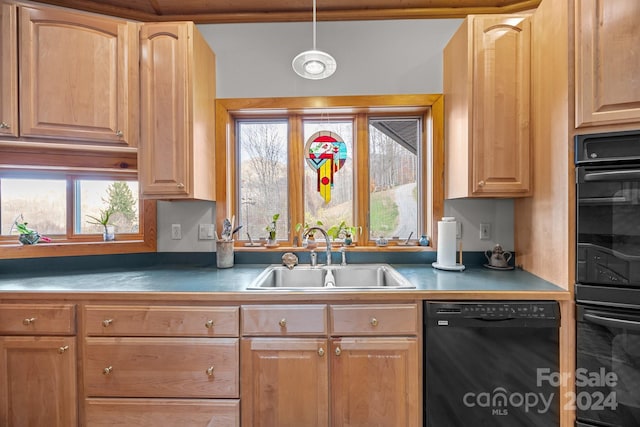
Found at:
(341, 15)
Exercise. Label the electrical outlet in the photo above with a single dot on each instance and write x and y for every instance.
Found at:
(485, 231)
(206, 231)
(176, 232)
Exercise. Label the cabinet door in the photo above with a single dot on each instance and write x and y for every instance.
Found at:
(79, 77)
(8, 71)
(38, 381)
(375, 382)
(284, 382)
(501, 85)
(607, 62)
(165, 137)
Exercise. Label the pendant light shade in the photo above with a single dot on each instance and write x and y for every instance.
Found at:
(314, 64)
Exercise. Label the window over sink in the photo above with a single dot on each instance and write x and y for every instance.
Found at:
(386, 174)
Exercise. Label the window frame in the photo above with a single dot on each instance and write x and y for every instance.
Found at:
(73, 244)
(431, 161)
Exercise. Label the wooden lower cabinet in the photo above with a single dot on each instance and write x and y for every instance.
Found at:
(160, 365)
(38, 381)
(375, 382)
(285, 382)
(365, 371)
(162, 412)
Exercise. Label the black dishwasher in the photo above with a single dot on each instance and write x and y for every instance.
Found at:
(491, 363)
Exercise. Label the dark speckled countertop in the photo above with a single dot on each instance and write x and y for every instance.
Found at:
(475, 282)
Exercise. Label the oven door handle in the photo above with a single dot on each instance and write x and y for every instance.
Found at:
(612, 322)
(612, 175)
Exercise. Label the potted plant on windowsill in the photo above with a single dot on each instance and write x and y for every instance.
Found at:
(308, 241)
(27, 236)
(345, 232)
(272, 230)
(103, 221)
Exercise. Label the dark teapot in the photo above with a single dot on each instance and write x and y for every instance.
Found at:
(498, 257)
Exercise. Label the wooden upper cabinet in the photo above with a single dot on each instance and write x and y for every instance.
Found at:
(607, 62)
(79, 77)
(487, 113)
(8, 71)
(177, 112)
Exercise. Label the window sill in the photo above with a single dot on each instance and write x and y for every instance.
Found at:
(357, 248)
(43, 250)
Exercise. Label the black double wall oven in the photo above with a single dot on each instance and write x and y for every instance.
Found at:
(608, 280)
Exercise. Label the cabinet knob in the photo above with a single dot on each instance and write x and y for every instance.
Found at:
(108, 370)
(29, 321)
(119, 134)
(321, 352)
(338, 351)
(63, 349)
(480, 183)
(4, 125)
(373, 321)
(283, 323)
(209, 371)
(209, 324)
(180, 185)
(107, 322)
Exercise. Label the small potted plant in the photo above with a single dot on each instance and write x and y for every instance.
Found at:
(272, 230)
(27, 236)
(103, 221)
(308, 241)
(344, 231)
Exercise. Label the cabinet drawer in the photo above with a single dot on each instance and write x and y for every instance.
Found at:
(162, 367)
(37, 319)
(105, 320)
(277, 320)
(374, 319)
(162, 412)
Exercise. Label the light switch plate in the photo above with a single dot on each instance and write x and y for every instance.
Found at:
(206, 231)
(485, 231)
(176, 231)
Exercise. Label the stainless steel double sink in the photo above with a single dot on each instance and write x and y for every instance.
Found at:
(330, 277)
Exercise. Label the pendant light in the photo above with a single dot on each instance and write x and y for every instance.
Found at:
(314, 64)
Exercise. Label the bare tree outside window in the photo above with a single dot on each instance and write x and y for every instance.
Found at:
(263, 148)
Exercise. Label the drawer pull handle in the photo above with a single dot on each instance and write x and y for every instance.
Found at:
(374, 321)
(63, 349)
(338, 351)
(321, 352)
(283, 323)
(209, 324)
(3, 125)
(209, 371)
(108, 370)
(29, 321)
(107, 322)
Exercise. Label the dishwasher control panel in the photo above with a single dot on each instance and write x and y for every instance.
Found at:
(452, 313)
